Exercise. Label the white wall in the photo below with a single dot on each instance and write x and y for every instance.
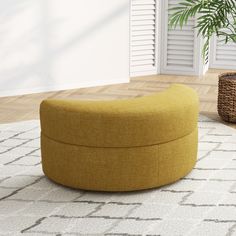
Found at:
(61, 44)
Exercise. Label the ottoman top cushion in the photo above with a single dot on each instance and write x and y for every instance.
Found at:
(144, 121)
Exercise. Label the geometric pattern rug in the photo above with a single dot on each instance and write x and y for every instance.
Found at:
(203, 203)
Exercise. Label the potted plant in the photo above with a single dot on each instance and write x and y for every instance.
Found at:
(213, 17)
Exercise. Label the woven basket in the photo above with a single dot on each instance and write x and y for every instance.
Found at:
(227, 97)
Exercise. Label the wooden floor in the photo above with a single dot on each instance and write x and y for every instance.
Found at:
(26, 107)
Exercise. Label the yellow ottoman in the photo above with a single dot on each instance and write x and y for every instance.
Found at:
(120, 145)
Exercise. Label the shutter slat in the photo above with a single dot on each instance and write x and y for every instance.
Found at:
(142, 43)
(143, 47)
(141, 52)
(180, 52)
(143, 12)
(143, 17)
(143, 7)
(142, 62)
(143, 57)
(143, 32)
(180, 47)
(143, 28)
(143, 22)
(180, 57)
(143, 36)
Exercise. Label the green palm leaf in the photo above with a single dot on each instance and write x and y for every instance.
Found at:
(212, 17)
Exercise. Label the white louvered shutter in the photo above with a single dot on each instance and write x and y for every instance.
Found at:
(143, 58)
(222, 56)
(181, 47)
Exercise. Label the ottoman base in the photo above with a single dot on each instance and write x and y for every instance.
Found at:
(118, 169)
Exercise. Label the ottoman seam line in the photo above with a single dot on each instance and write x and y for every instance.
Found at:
(87, 146)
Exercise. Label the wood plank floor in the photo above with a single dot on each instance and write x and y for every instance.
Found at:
(26, 107)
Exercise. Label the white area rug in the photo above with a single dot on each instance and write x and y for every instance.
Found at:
(203, 203)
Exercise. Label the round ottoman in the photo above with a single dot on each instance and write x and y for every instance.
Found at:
(120, 145)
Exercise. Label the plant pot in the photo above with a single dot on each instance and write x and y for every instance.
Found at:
(227, 97)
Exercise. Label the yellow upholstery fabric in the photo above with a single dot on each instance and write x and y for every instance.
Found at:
(120, 145)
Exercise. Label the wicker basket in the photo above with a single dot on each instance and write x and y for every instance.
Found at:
(227, 97)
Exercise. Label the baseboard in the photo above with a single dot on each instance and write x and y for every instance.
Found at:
(50, 88)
